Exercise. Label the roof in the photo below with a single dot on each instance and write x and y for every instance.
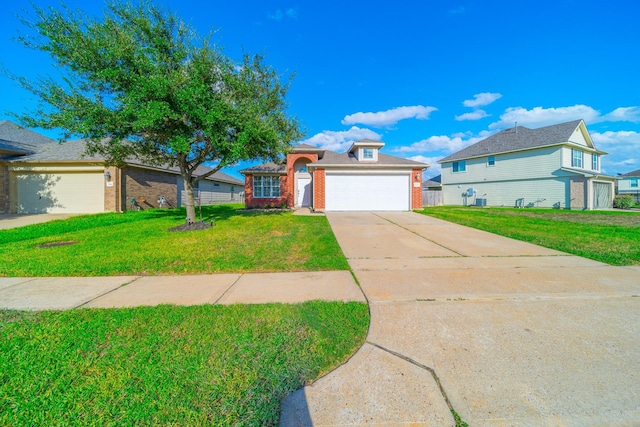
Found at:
(635, 173)
(19, 140)
(74, 151)
(436, 181)
(270, 167)
(516, 139)
(349, 159)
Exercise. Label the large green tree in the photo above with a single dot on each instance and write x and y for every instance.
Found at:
(139, 82)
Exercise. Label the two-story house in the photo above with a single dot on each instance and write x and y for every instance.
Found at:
(629, 183)
(359, 180)
(554, 166)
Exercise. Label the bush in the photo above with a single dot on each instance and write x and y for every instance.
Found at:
(623, 202)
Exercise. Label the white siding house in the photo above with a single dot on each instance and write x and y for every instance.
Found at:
(555, 166)
(629, 183)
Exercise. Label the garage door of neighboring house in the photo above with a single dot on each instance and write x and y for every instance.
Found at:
(372, 192)
(601, 195)
(54, 192)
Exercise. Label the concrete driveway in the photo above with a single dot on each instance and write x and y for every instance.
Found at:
(19, 220)
(503, 332)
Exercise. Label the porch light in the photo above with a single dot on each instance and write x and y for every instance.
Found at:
(107, 176)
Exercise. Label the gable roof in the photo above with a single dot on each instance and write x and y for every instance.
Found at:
(436, 181)
(635, 173)
(349, 159)
(517, 139)
(15, 139)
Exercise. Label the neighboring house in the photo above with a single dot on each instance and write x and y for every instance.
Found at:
(629, 183)
(555, 166)
(40, 175)
(361, 179)
(433, 184)
(432, 192)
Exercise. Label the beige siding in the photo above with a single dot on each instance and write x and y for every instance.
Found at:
(577, 137)
(4, 188)
(624, 186)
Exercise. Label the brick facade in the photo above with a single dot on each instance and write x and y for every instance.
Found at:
(146, 186)
(319, 189)
(291, 161)
(261, 202)
(111, 190)
(416, 190)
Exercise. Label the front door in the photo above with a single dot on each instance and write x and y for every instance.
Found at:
(304, 192)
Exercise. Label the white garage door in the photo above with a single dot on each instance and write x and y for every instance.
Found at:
(379, 192)
(60, 192)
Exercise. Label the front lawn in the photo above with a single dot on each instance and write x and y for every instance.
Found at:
(167, 365)
(612, 237)
(140, 243)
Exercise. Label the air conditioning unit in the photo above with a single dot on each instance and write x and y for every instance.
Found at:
(481, 202)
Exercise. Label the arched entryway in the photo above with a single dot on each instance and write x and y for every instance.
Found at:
(303, 185)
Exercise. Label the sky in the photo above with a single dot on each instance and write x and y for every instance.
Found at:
(428, 78)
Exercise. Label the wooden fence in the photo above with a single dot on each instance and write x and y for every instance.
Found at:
(432, 198)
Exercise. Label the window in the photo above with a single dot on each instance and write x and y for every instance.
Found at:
(266, 186)
(634, 183)
(576, 158)
(594, 162)
(367, 153)
(215, 184)
(491, 161)
(460, 166)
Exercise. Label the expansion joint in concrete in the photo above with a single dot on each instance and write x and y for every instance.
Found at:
(419, 235)
(228, 289)
(108, 292)
(421, 366)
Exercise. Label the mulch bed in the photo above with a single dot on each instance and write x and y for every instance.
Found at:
(192, 226)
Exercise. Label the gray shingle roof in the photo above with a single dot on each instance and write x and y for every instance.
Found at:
(17, 139)
(509, 140)
(349, 159)
(270, 167)
(73, 151)
(632, 173)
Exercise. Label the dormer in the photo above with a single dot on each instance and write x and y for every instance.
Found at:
(366, 150)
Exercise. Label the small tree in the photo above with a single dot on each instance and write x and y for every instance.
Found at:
(141, 83)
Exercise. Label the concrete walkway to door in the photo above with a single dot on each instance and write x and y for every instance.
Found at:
(500, 331)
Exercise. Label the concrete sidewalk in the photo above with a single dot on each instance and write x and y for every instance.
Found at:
(501, 331)
(60, 293)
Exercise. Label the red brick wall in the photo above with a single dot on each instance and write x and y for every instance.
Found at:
(291, 160)
(416, 191)
(260, 202)
(318, 189)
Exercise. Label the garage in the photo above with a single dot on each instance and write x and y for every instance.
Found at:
(367, 192)
(59, 192)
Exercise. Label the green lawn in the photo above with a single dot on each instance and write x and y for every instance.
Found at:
(612, 237)
(140, 243)
(189, 366)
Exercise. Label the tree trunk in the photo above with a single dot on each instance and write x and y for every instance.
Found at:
(189, 199)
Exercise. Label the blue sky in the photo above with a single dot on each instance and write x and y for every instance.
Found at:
(426, 77)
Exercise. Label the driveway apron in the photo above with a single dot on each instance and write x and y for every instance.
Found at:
(500, 331)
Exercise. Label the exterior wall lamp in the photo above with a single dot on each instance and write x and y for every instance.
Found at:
(107, 176)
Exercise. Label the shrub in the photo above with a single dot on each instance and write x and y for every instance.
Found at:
(623, 202)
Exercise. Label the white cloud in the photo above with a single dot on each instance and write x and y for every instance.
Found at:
(474, 115)
(622, 138)
(539, 117)
(434, 168)
(482, 99)
(389, 117)
(340, 140)
(441, 143)
(623, 114)
(279, 15)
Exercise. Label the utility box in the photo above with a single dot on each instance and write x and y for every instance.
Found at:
(481, 202)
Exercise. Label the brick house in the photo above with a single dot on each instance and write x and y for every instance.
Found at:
(361, 179)
(40, 175)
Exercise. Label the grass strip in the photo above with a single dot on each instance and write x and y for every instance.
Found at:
(612, 237)
(168, 365)
(140, 243)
